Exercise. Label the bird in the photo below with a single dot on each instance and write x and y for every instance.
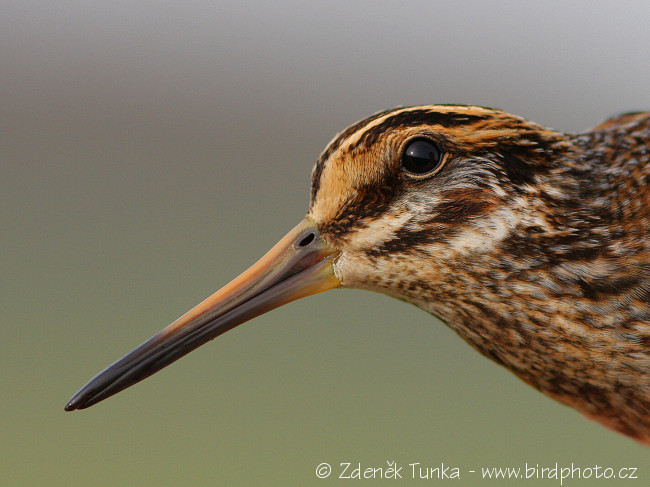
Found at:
(530, 243)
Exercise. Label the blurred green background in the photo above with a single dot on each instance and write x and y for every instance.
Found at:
(152, 150)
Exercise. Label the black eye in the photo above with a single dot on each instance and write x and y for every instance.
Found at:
(421, 156)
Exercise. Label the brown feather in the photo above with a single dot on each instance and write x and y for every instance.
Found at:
(531, 244)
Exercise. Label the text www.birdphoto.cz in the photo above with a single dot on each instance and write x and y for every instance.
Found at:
(423, 471)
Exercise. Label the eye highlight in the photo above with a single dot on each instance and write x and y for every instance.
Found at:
(420, 156)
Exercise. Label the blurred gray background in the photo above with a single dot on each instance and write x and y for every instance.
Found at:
(152, 150)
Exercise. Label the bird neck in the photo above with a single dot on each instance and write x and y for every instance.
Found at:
(558, 295)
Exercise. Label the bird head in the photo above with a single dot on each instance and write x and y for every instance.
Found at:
(411, 202)
(419, 201)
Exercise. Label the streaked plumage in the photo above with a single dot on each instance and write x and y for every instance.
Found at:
(531, 244)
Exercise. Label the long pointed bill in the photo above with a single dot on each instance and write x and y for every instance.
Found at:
(297, 266)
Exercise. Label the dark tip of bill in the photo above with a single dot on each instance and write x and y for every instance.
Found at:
(70, 406)
(74, 403)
